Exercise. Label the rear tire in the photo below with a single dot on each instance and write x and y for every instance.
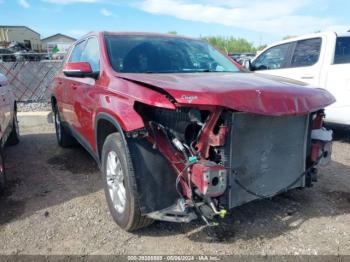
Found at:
(2, 174)
(64, 139)
(120, 185)
(13, 138)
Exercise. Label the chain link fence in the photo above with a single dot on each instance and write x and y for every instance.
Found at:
(31, 80)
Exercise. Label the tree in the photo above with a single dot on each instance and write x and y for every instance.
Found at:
(172, 33)
(230, 44)
(261, 47)
(288, 37)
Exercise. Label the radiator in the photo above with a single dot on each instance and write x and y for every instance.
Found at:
(264, 154)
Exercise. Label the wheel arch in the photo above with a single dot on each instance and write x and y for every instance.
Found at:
(105, 124)
(53, 103)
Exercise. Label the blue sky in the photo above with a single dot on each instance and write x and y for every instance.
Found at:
(258, 21)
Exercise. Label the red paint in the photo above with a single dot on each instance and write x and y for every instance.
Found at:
(208, 138)
(199, 179)
(78, 66)
(239, 91)
(318, 122)
(80, 100)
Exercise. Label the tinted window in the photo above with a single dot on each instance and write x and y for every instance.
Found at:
(76, 53)
(342, 50)
(273, 58)
(153, 54)
(91, 54)
(306, 52)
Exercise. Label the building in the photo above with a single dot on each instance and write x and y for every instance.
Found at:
(58, 43)
(20, 34)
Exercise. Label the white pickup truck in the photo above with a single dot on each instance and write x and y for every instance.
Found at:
(320, 60)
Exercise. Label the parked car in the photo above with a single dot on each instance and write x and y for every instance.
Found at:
(7, 55)
(321, 59)
(180, 132)
(241, 57)
(9, 132)
(23, 53)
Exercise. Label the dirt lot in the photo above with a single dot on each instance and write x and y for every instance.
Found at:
(55, 205)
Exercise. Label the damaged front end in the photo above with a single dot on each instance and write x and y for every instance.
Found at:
(198, 161)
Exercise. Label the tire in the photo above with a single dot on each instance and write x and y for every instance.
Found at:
(2, 174)
(64, 139)
(120, 185)
(13, 138)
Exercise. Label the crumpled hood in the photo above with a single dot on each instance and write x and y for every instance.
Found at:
(247, 92)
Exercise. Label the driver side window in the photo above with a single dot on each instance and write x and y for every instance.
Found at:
(274, 58)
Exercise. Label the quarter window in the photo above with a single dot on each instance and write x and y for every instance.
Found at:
(91, 54)
(76, 53)
(274, 58)
(307, 52)
(342, 51)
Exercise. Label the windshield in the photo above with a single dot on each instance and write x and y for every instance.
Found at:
(154, 54)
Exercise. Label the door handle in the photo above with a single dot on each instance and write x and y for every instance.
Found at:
(307, 77)
(74, 86)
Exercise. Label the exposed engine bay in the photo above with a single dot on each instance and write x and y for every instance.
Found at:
(202, 162)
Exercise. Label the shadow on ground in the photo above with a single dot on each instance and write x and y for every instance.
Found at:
(42, 175)
(340, 133)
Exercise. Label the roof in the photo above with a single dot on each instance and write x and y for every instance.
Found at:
(344, 34)
(62, 35)
(19, 26)
(149, 34)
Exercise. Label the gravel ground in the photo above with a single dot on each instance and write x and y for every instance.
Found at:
(55, 205)
(33, 106)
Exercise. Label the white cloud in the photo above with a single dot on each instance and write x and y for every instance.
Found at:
(274, 16)
(24, 3)
(105, 12)
(67, 2)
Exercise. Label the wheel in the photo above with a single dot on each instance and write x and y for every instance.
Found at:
(2, 174)
(13, 138)
(64, 139)
(120, 185)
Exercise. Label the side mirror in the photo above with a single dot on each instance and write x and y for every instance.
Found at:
(79, 69)
(247, 64)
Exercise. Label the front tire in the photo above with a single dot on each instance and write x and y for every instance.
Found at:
(120, 185)
(13, 138)
(2, 174)
(64, 139)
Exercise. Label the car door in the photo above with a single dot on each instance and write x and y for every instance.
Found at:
(85, 98)
(338, 82)
(299, 60)
(69, 89)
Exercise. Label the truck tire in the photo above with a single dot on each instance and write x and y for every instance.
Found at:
(2, 174)
(64, 139)
(13, 138)
(120, 185)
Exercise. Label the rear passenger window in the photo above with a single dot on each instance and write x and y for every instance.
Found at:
(76, 53)
(307, 52)
(273, 58)
(342, 51)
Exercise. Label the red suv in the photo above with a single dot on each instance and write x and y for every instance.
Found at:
(180, 131)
